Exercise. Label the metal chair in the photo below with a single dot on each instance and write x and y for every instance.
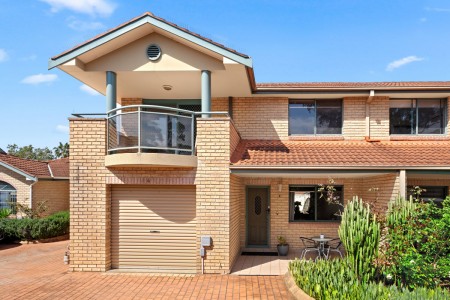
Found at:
(309, 246)
(333, 246)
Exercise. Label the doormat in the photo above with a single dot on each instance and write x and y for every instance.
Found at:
(260, 253)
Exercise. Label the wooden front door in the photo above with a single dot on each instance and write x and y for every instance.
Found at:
(258, 212)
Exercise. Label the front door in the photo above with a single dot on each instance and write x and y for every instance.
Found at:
(258, 211)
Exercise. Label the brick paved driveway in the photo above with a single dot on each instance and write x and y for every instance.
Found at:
(36, 271)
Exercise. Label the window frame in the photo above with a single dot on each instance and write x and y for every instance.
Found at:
(416, 111)
(316, 197)
(436, 201)
(315, 116)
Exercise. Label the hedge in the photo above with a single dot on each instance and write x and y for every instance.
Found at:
(35, 229)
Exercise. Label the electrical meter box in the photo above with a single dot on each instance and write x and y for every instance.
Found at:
(205, 241)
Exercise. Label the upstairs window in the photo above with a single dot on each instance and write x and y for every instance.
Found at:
(417, 116)
(315, 117)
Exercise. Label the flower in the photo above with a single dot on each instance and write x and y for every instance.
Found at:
(412, 261)
(388, 276)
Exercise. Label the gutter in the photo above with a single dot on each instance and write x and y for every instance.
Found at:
(311, 168)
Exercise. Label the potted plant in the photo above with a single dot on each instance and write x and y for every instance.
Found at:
(283, 246)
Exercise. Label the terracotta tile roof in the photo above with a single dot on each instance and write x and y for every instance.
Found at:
(320, 85)
(262, 153)
(60, 167)
(35, 168)
(159, 19)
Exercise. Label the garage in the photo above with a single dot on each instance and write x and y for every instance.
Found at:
(153, 228)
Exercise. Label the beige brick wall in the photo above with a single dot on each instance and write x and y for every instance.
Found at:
(261, 118)
(54, 192)
(379, 118)
(236, 196)
(213, 191)
(90, 208)
(379, 190)
(354, 118)
(19, 182)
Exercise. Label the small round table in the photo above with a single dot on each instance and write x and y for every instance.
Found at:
(322, 242)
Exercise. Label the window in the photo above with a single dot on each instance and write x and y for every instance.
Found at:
(417, 116)
(305, 204)
(435, 194)
(7, 196)
(315, 117)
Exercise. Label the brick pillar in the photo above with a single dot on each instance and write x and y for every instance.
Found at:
(213, 192)
(90, 206)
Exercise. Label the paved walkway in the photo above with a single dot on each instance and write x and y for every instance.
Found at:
(36, 271)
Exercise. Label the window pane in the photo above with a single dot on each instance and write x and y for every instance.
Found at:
(437, 194)
(327, 211)
(431, 117)
(402, 117)
(302, 116)
(329, 117)
(302, 204)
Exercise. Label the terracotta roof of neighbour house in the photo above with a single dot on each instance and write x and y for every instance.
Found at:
(59, 168)
(339, 154)
(324, 85)
(159, 19)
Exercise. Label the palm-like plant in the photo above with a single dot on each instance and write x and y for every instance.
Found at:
(62, 150)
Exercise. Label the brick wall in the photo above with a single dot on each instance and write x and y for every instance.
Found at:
(19, 182)
(213, 191)
(379, 190)
(54, 192)
(90, 208)
(379, 118)
(236, 197)
(354, 118)
(261, 118)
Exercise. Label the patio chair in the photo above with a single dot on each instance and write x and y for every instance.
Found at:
(309, 246)
(333, 246)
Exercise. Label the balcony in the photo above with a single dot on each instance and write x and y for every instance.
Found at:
(150, 135)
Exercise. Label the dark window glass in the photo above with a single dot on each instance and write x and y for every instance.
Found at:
(430, 116)
(315, 117)
(329, 117)
(423, 116)
(436, 194)
(307, 205)
(302, 116)
(402, 116)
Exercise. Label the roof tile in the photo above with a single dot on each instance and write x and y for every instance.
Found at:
(260, 153)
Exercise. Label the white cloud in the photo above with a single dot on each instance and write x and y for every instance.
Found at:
(40, 78)
(3, 55)
(62, 129)
(437, 9)
(402, 61)
(79, 25)
(91, 7)
(89, 90)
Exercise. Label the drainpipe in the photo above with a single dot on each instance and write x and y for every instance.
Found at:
(31, 190)
(369, 100)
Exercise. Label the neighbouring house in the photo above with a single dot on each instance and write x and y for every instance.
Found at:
(30, 182)
(190, 148)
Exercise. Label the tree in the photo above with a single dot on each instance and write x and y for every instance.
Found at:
(29, 152)
(62, 150)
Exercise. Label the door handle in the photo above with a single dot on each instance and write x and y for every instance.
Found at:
(154, 231)
(268, 209)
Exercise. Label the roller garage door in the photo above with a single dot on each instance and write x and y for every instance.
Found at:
(153, 228)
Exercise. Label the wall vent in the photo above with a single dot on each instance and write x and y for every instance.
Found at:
(153, 52)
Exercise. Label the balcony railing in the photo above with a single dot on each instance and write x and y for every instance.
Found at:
(151, 129)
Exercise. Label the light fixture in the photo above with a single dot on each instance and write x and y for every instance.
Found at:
(167, 87)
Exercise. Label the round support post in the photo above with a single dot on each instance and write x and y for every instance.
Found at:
(111, 90)
(206, 93)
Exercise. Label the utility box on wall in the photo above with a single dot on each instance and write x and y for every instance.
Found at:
(205, 241)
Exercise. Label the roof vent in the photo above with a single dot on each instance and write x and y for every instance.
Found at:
(153, 52)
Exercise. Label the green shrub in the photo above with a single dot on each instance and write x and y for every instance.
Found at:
(416, 248)
(335, 279)
(31, 229)
(360, 234)
(5, 212)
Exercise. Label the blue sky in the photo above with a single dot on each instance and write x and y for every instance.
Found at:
(303, 40)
